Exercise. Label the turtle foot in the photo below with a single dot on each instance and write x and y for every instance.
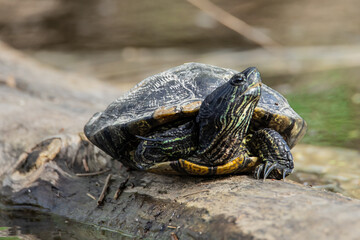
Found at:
(274, 169)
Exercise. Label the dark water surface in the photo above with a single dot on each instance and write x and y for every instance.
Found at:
(23, 224)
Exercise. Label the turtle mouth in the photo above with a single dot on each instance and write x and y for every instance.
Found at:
(255, 86)
(253, 92)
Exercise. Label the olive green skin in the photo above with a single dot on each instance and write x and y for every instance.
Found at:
(174, 97)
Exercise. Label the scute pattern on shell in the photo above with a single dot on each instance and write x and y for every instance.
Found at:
(132, 113)
(174, 87)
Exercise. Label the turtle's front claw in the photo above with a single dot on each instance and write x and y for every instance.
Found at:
(258, 171)
(285, 171)
(272, 169)
(269, 166)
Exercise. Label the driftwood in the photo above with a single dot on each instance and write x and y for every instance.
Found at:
(39, 172)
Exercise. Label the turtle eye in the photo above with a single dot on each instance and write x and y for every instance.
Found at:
(238, 79)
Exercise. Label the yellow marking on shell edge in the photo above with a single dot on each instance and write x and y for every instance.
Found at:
(192, 107)
(164, 112)
(258, 113)
(165, 115)
(193, 168)
(279, 123)
(231, 166)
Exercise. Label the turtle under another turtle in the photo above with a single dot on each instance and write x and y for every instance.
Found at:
(200, 119)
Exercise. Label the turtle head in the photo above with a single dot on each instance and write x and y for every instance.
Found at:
(225, 115)
(246, 89)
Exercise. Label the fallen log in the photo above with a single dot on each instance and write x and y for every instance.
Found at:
(40, 172)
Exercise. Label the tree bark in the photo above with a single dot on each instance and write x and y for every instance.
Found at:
(39, 171)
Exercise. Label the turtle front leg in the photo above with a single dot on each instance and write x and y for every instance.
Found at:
(273, 150)
(171, 144)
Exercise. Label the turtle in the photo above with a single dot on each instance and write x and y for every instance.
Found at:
(200, 119)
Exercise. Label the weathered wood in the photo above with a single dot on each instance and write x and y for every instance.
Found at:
(46, 102)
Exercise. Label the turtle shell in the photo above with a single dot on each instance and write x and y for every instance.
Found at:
(174, 96)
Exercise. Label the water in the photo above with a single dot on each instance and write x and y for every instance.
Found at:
(26, 224)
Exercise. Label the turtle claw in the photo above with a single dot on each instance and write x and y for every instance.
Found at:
(284, 173)
(258, 170)
(267, 165)
(267, 170)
